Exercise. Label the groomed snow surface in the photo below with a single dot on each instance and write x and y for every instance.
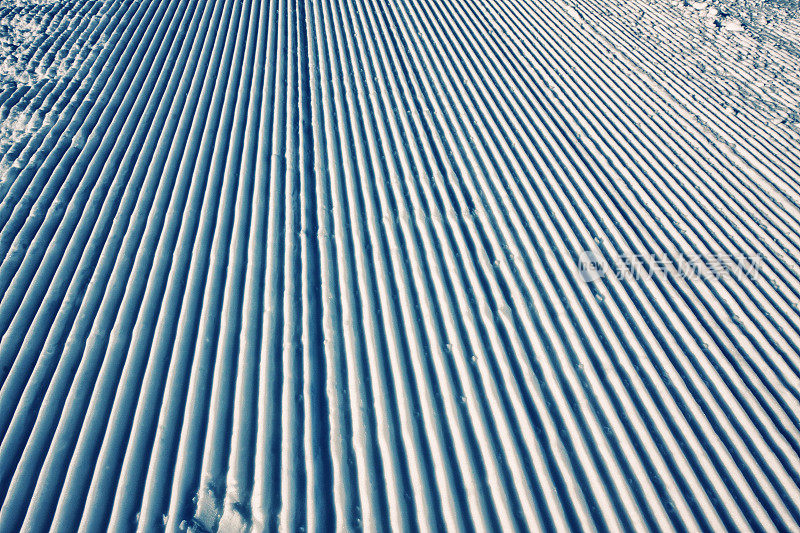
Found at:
(304, 265)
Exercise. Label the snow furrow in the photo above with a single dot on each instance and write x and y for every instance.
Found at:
(407, 264)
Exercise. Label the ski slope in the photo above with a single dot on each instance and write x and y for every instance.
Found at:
(305, 265)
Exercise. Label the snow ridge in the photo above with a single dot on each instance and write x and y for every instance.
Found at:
(284, 264)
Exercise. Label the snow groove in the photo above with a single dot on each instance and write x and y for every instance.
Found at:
(284, 264)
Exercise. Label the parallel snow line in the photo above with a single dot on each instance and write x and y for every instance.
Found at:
(696, 82)
(284, 264)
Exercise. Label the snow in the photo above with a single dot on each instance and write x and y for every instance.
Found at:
(416, 264)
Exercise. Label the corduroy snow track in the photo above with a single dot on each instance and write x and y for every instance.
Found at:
(355, 264)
